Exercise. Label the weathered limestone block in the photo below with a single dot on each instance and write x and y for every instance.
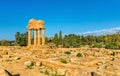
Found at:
(60, 71)
(0, 56)
(97, 74)
(6, 56)
(118, 56)
(38, 63)
(28, 63)
(16, 58)
(42, 70)
(3, 73)
(4, 52)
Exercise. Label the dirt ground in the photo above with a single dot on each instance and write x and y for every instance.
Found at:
(60, 61)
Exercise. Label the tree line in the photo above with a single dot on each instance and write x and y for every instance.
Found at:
(110, 41)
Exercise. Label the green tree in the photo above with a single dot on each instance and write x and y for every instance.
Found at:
(55, 39)
(21, 39)
(17, 38)
(71, 40)
(46, 40)
(60, 38)
(84, 40)
(5, 43)
(111, 46)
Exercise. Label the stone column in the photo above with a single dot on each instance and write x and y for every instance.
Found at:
(43, 36)
(29, 37)
(38, 37)
(35, 37)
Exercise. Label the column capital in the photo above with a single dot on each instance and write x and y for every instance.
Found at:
(43, 28)
(38, 28)
(35, 29)
(29, 29)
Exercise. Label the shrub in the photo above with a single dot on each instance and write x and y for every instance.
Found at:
(63, 61)
(47, 72)
(111, 46)
(67, 52)
(55, 74)
(79, 55)
(97, 46)
(31, 66)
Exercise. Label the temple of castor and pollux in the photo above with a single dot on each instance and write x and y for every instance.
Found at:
(39, 34)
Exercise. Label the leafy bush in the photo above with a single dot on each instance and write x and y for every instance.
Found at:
(47, 72)
(63, 61)
(97, 46)
(79, 55)
(67, 52)
(111, 46)
(55, 74)
(31, 66)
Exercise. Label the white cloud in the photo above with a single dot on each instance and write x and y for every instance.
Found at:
(102, 32)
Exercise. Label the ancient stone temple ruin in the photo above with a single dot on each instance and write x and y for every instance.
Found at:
(37, 26)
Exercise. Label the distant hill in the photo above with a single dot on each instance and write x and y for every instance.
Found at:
(102, 32)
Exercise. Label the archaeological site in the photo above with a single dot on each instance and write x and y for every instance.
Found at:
(39, 59)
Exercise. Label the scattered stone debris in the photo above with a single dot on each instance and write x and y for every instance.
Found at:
(16, 58)
(59, 62)
(4, 72)
(38, 63)
(0, 56)
(97, 74)
(60, 72)
(28, 63)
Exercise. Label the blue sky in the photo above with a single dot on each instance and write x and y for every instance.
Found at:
(70, 16)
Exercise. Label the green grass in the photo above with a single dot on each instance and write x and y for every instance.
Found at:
(55, 74)
(47, 72)
(62, 60)
(67, 52)
(79, 55)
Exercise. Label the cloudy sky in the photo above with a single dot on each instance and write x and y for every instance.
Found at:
(70, 16)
